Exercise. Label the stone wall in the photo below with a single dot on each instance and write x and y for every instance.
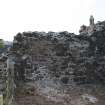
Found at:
(6, 81)
(52, 57)
(63, 56)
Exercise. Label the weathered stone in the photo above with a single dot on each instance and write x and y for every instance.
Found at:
(62, 53)
(54, 57)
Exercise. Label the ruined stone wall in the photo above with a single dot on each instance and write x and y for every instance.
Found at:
(61, 57)
(65, 56)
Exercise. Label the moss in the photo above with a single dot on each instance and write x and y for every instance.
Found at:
(1, 43)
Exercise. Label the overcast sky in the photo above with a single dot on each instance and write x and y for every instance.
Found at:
(47, 15)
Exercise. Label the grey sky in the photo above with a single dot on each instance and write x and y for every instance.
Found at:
(47, 15)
